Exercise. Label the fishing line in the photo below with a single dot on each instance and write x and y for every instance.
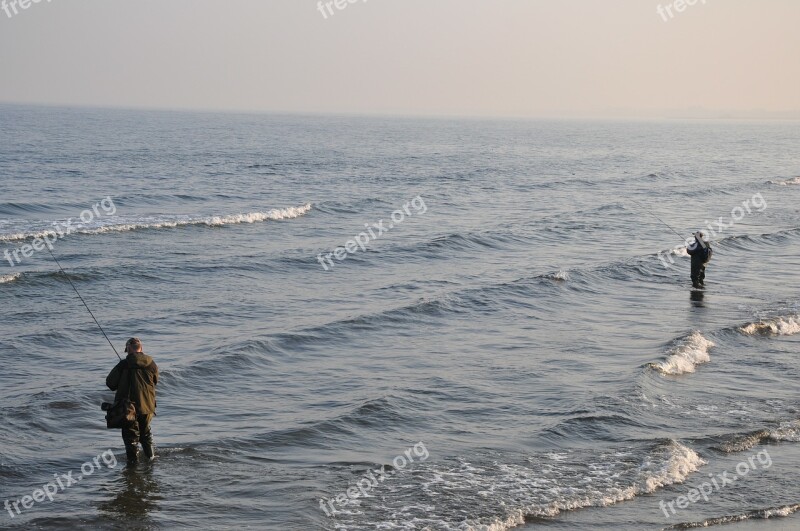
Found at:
(84, 302)
(683, 238)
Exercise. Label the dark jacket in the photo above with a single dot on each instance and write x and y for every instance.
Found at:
(145, 377)
(699, 251)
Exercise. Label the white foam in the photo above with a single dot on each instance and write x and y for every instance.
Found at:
(787, 431)
(20, 236)
(787, 182)
(740, 443)
(682, 462)
(502, 495)
(560, 275)
(684, 358)
(778, 326)
(784, 511)
(170, 222)
(759, 514)
(672, 464)
(9, 278)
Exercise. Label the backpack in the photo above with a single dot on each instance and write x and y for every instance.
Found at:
(122, 413)
(707, 253)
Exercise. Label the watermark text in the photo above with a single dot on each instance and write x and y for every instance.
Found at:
(373, 232)
(717, 483)
(373, 478)
(62, 482)
(62, 229)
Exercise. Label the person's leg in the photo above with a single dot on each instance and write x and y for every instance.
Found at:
(130, 436)
(702, 277)
(696, 274)
(147, 436)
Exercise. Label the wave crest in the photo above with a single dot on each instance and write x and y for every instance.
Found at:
(171, 222)
(503, 495)
(787, 431)
(779, 326)
(561, 276)
(686, 356)
(758, 514)
(787, 182)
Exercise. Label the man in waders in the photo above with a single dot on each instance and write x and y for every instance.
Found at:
(700, 251)
(135, 378)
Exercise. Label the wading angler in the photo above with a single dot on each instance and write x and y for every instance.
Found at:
(134, 379)
(755, 203)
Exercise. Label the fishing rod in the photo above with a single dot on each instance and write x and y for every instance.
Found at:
(84, 302)
(683, 238)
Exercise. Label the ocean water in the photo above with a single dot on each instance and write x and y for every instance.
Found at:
(512, 349)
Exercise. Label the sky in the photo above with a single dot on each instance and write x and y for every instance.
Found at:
(499, 58)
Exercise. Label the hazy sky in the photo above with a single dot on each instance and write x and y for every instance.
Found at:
(441, 57)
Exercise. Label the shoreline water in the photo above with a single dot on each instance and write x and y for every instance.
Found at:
(514, 328)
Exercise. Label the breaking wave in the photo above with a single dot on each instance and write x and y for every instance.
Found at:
(171, 222)
(502, 495)
(777, 326)
(9, 278)
(785, 431)
(758, 514)
(787, 182)
(686, 356)
(561, 276)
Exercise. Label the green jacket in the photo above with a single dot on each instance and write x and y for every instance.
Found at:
(145, 378)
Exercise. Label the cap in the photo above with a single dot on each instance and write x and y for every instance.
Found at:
(134, 342)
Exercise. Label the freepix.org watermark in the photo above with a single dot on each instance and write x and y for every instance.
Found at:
(62, 229)
(327, 7)
(61, 483)
(373, 232)
(373, 478)
(717, 228)
(668, 12)
(12, 7)
(717, 483)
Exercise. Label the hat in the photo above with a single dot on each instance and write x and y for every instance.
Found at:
(133, 342)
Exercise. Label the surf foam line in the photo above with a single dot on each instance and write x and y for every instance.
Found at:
(786, 325)
(787, 182)
(785, 431)
(498, 492)
(684, 358)
(171, 222)
(758, 514)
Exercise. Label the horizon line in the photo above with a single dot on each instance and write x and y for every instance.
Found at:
(623, 115)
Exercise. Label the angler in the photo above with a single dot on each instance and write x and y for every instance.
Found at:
(135, 379)
(700, 251)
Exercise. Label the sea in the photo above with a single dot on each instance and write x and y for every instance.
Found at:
(398, 323)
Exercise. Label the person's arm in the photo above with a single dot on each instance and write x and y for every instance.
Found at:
(112, 380)
(155, 373)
